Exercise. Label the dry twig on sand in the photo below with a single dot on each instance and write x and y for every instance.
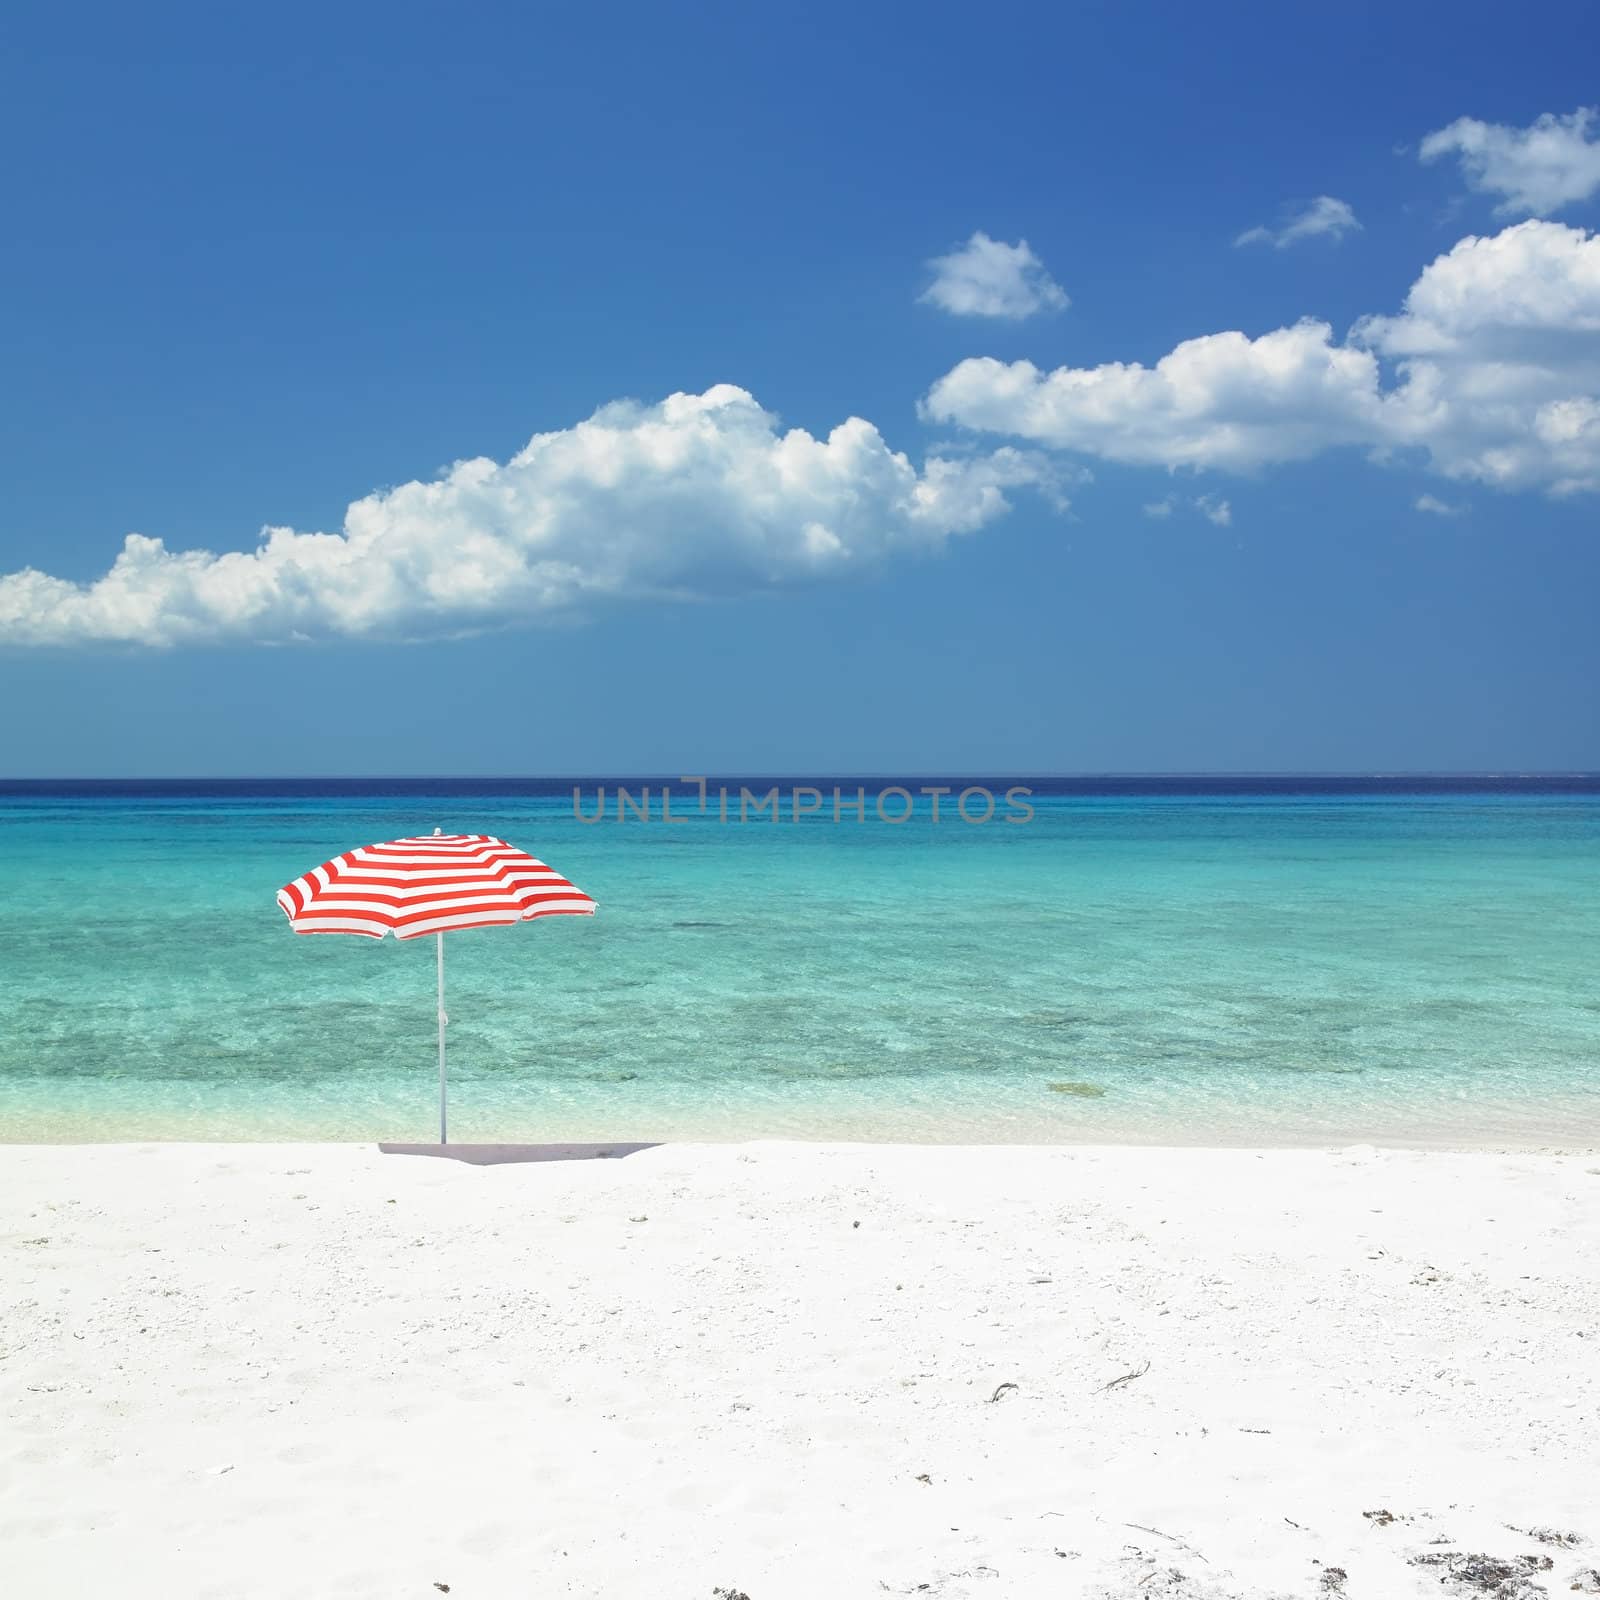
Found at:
(1127, 1377)
(1182, 1544)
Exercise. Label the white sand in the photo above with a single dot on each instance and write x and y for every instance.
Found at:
(308, 1371)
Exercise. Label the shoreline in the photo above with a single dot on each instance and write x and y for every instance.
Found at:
(1542, 1134)
(1332, 1145)
(787, 1369)
(323, 1111)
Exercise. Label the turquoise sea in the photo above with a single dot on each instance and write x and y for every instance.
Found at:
(1250, 961)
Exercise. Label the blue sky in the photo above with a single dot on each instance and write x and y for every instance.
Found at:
(256, 268)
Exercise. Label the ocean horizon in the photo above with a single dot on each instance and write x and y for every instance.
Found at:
(1376, 781)
(1171, 958)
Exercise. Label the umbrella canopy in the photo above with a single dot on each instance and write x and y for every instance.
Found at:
(436, 884)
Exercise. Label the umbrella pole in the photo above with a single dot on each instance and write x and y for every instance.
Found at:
(442, 1020)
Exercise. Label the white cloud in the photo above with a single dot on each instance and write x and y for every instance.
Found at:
(1208, 505)
(1491, 369)
(986, 278)
(700, 495)
(1219, 401)
(1438, 508)
(1536, 170)
(1325, 216)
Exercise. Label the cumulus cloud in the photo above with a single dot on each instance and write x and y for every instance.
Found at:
(1223, 400)
(1438, 508)
(987, 278)
(1325, 217)
(1535, 170)
(1160, 509)
(1491, 369)
(700, 495)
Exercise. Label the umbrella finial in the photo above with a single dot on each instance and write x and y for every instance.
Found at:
(437, 832)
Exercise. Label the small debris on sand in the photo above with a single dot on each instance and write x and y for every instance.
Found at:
(1489, 1576)
(1555, 1536)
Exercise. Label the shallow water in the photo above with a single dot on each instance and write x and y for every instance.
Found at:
(1234, 967)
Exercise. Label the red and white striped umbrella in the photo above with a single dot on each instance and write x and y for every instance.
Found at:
(437, 884)
(434, 884)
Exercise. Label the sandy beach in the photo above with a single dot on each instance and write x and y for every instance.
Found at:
(793, 1371)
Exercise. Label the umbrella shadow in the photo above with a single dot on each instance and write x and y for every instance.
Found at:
(494, 1155)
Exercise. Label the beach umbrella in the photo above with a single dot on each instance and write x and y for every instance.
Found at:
(434, 884)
